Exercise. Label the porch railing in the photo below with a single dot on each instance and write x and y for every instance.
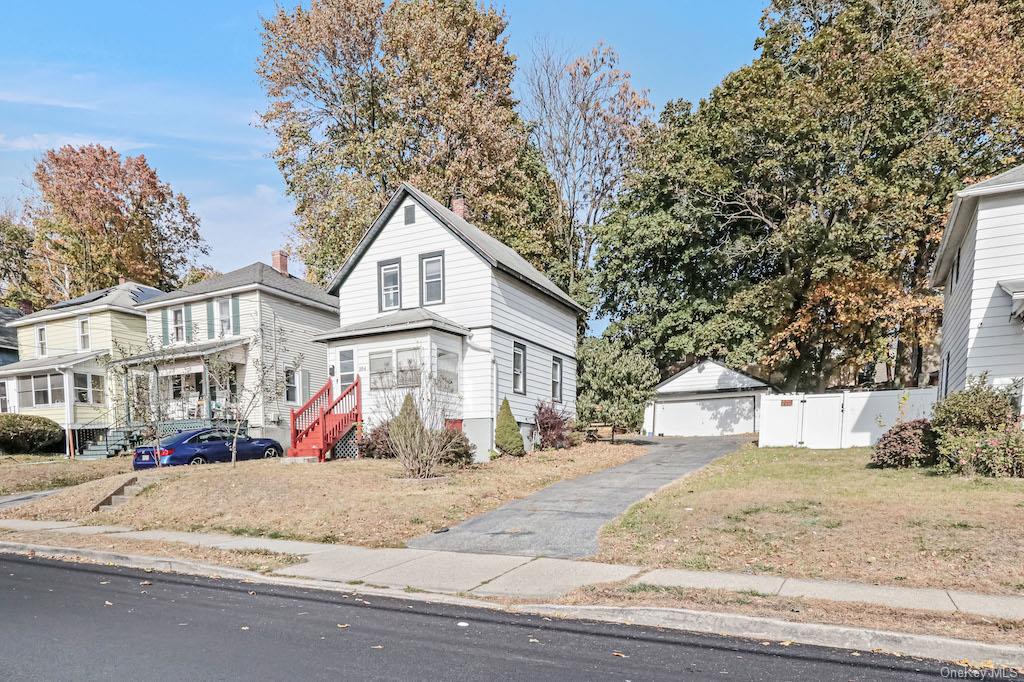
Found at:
(326, 418)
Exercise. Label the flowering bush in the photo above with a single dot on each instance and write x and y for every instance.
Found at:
(997, 452)
(907, 444)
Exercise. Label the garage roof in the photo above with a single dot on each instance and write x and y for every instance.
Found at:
(709, 376)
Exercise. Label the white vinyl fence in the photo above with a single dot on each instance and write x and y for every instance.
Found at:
(839, 420)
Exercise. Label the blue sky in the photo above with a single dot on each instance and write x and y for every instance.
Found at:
(176, 82)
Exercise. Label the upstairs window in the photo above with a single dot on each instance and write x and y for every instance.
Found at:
(389, 281)
(431, 278)
(224, 327)
(556, 379)
(410, 214)
(178, 325)
(83, 333)
(41, 340)
(519, 368)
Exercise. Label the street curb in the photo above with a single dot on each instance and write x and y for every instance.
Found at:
(752, 627)
(735, 625)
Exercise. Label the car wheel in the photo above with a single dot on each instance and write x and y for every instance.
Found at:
(271, 452)
(197, 460)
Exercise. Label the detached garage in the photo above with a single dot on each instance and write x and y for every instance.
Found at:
(706, 399)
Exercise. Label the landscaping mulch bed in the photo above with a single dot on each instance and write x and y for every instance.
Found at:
(825, 514)
(362, 502)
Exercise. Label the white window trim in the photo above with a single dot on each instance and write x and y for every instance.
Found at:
(79, 334)
(381, 269)
(173, 328)
(557, 361)
(90, 389)
(49, 390)
(519, 348)
(418, 369)
(437, 366)
(439, 257)
(5, 398)
(372, 374)
(355, 368)
(219, 319)
(41, 348)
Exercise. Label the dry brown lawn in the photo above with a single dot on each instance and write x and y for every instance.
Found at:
(250, 560)
(19, 474)
(361, 502)
(959, 625)
(825, 514)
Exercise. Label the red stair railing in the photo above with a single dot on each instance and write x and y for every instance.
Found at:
(325, 419)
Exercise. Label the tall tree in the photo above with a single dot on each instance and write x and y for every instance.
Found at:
(100, 216)
(364, 96)
(615, 383)
(15, 246)
(586, 116)
(792, 217)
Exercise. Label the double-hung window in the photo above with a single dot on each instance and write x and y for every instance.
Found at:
(178, 325)
(224, 317)
(291, 386)
(519, 368)
(448, 370)
(83, 333)
(47, 389)
(41, 340)
(88, 388)
(556, 379)
(5, 405)
(389, 282)
(408, 367)
(432, 278)
(346, 368)
(382, 370)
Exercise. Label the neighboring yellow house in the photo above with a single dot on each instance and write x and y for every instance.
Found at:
(61, 372)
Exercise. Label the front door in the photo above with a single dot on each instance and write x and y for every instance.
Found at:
(344, 374)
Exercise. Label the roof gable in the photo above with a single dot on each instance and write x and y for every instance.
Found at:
(122, 296)
(493, 252)
(708, 376)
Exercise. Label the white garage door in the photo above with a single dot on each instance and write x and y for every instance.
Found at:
(705, 417)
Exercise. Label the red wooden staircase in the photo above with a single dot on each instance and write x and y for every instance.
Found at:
(318, 425)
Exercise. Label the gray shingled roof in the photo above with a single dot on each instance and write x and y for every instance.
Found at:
(398, 321)
(256, 273)
(191, 350)
(127, 295)
(1011, 177)
(8, 335)
(490, 249)
(55, 361)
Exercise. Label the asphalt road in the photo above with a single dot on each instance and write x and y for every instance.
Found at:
(563, 520)
(84, 622)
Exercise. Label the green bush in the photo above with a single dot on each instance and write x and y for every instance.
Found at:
(998, 452)
(906, 444)
(976, 409)
(507, 437)
(458, 450)
(27, 433)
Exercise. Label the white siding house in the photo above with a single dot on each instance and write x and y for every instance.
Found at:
(980, 267)
(706, 399)
(260, 322)
(424, 287)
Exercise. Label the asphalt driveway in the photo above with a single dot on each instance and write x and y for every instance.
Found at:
(563, 519)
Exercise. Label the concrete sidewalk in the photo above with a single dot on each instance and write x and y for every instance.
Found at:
(522, 577)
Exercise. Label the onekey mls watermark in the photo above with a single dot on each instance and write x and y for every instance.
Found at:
(950, 672)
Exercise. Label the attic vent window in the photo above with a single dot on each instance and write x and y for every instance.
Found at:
(410, 214)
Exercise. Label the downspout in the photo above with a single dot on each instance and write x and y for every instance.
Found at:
(492, 388)
(69, 411)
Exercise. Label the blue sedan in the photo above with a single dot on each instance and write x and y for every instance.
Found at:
(201, 446)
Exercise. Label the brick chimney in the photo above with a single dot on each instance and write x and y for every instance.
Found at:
(459, 205)
(279, 261)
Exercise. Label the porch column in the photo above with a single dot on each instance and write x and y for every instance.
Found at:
(69, 412)
(207, 408)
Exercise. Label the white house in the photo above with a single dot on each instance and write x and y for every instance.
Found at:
(980, 267)
(706, 399)
(426, 291)
(258, 322)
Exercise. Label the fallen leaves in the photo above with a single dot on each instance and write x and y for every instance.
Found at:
(107, 603)
(342, 625)
(619, 654)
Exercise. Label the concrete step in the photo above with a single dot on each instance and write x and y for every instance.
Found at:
(131, 490)
(118, 500)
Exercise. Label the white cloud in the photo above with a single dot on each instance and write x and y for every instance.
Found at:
(43, 101)
(40, 141)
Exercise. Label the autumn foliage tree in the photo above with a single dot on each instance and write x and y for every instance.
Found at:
(99, 216)
(792, 217)
(365, 95)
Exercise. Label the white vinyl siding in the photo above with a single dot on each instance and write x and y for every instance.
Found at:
(538, 376)
(956, 318)
(519, 308)
(995, 341)
(708, 376)
(467, 278)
